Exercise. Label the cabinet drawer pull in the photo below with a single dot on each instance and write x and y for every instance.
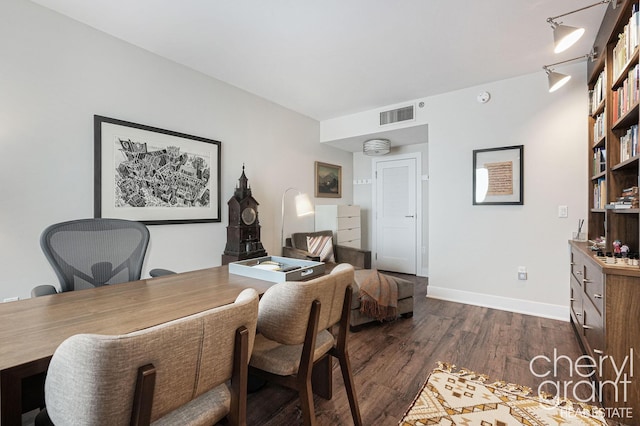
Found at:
(572, 300)
(597, 296)
(586, 281)
(578, 314)
(586, 327)
(578, 272)
(598, 351)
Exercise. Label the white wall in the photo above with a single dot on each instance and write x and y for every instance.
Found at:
(57, 73)
(474, 251)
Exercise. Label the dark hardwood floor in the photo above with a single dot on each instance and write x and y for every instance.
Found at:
(391, 361)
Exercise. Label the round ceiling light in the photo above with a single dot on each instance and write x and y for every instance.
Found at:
(376, 146)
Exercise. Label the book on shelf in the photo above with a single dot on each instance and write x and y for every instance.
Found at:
(600, 193)
(629, 199)
(627, 43)
(599, 126)
(627, 95)
(599, 160)
(629, 143)
(596, 95)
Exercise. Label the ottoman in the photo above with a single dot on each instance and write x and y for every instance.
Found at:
(405, 298)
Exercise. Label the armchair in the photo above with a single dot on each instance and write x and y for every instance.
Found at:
(297, 248)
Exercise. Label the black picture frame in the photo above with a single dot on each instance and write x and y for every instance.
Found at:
(155, 176)
(498, 176)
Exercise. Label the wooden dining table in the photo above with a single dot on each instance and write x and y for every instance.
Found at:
(32, 329)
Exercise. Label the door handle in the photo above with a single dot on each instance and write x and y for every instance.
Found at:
(409, 216)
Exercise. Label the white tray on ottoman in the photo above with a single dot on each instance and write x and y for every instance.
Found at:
(277, 269)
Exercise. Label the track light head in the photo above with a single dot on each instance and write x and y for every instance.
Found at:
(565, 36)
(556, 79)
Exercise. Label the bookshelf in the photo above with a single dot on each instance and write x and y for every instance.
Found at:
(604, 291)
(613, 129)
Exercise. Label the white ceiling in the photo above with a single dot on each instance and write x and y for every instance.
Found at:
(329, 58)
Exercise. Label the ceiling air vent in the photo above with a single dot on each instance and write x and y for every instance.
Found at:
(396, 115)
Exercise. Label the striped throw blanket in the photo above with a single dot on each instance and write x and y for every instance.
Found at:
(379, 296)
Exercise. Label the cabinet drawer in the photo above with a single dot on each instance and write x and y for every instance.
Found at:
(348, 222)
(351, 243)
(575, 302)
(347, 211)
(348, 235)
(577, 264)
(593, 328)
(593, 287)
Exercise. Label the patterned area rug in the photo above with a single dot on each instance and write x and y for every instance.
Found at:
(463, 398)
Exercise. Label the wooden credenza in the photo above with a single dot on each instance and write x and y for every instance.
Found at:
(605, 313)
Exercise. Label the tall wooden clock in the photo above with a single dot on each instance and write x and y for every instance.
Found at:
(243, 232)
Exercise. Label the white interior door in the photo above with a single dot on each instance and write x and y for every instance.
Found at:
(395, 215)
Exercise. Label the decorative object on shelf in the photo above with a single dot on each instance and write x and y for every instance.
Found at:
(580, 235)
(304, 207)
(565, 36)
(556, 79)
(376, 146)
(328, 180)
(243, 232)
(153, 175)
(498, 175)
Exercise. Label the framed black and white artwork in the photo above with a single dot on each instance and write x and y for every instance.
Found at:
(153, 175)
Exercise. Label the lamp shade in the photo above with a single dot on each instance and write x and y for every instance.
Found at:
(565, 36)
(304, 206)
(557, 80)
(376, 146)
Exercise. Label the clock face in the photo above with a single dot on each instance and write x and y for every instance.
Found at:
(248, 216)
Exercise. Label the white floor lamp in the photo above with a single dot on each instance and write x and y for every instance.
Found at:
(304, 207)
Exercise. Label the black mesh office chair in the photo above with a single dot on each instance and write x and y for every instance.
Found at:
(90, 253)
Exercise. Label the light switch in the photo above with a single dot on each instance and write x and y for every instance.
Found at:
(563, 211)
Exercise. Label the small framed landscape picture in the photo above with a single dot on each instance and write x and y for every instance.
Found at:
(498, 176)
(328, 180)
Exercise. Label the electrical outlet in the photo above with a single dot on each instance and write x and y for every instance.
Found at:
(522, 273)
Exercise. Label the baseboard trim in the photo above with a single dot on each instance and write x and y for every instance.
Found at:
(545, 310)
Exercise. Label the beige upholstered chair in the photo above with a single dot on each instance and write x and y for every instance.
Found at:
(110, 380)
(295, 320)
